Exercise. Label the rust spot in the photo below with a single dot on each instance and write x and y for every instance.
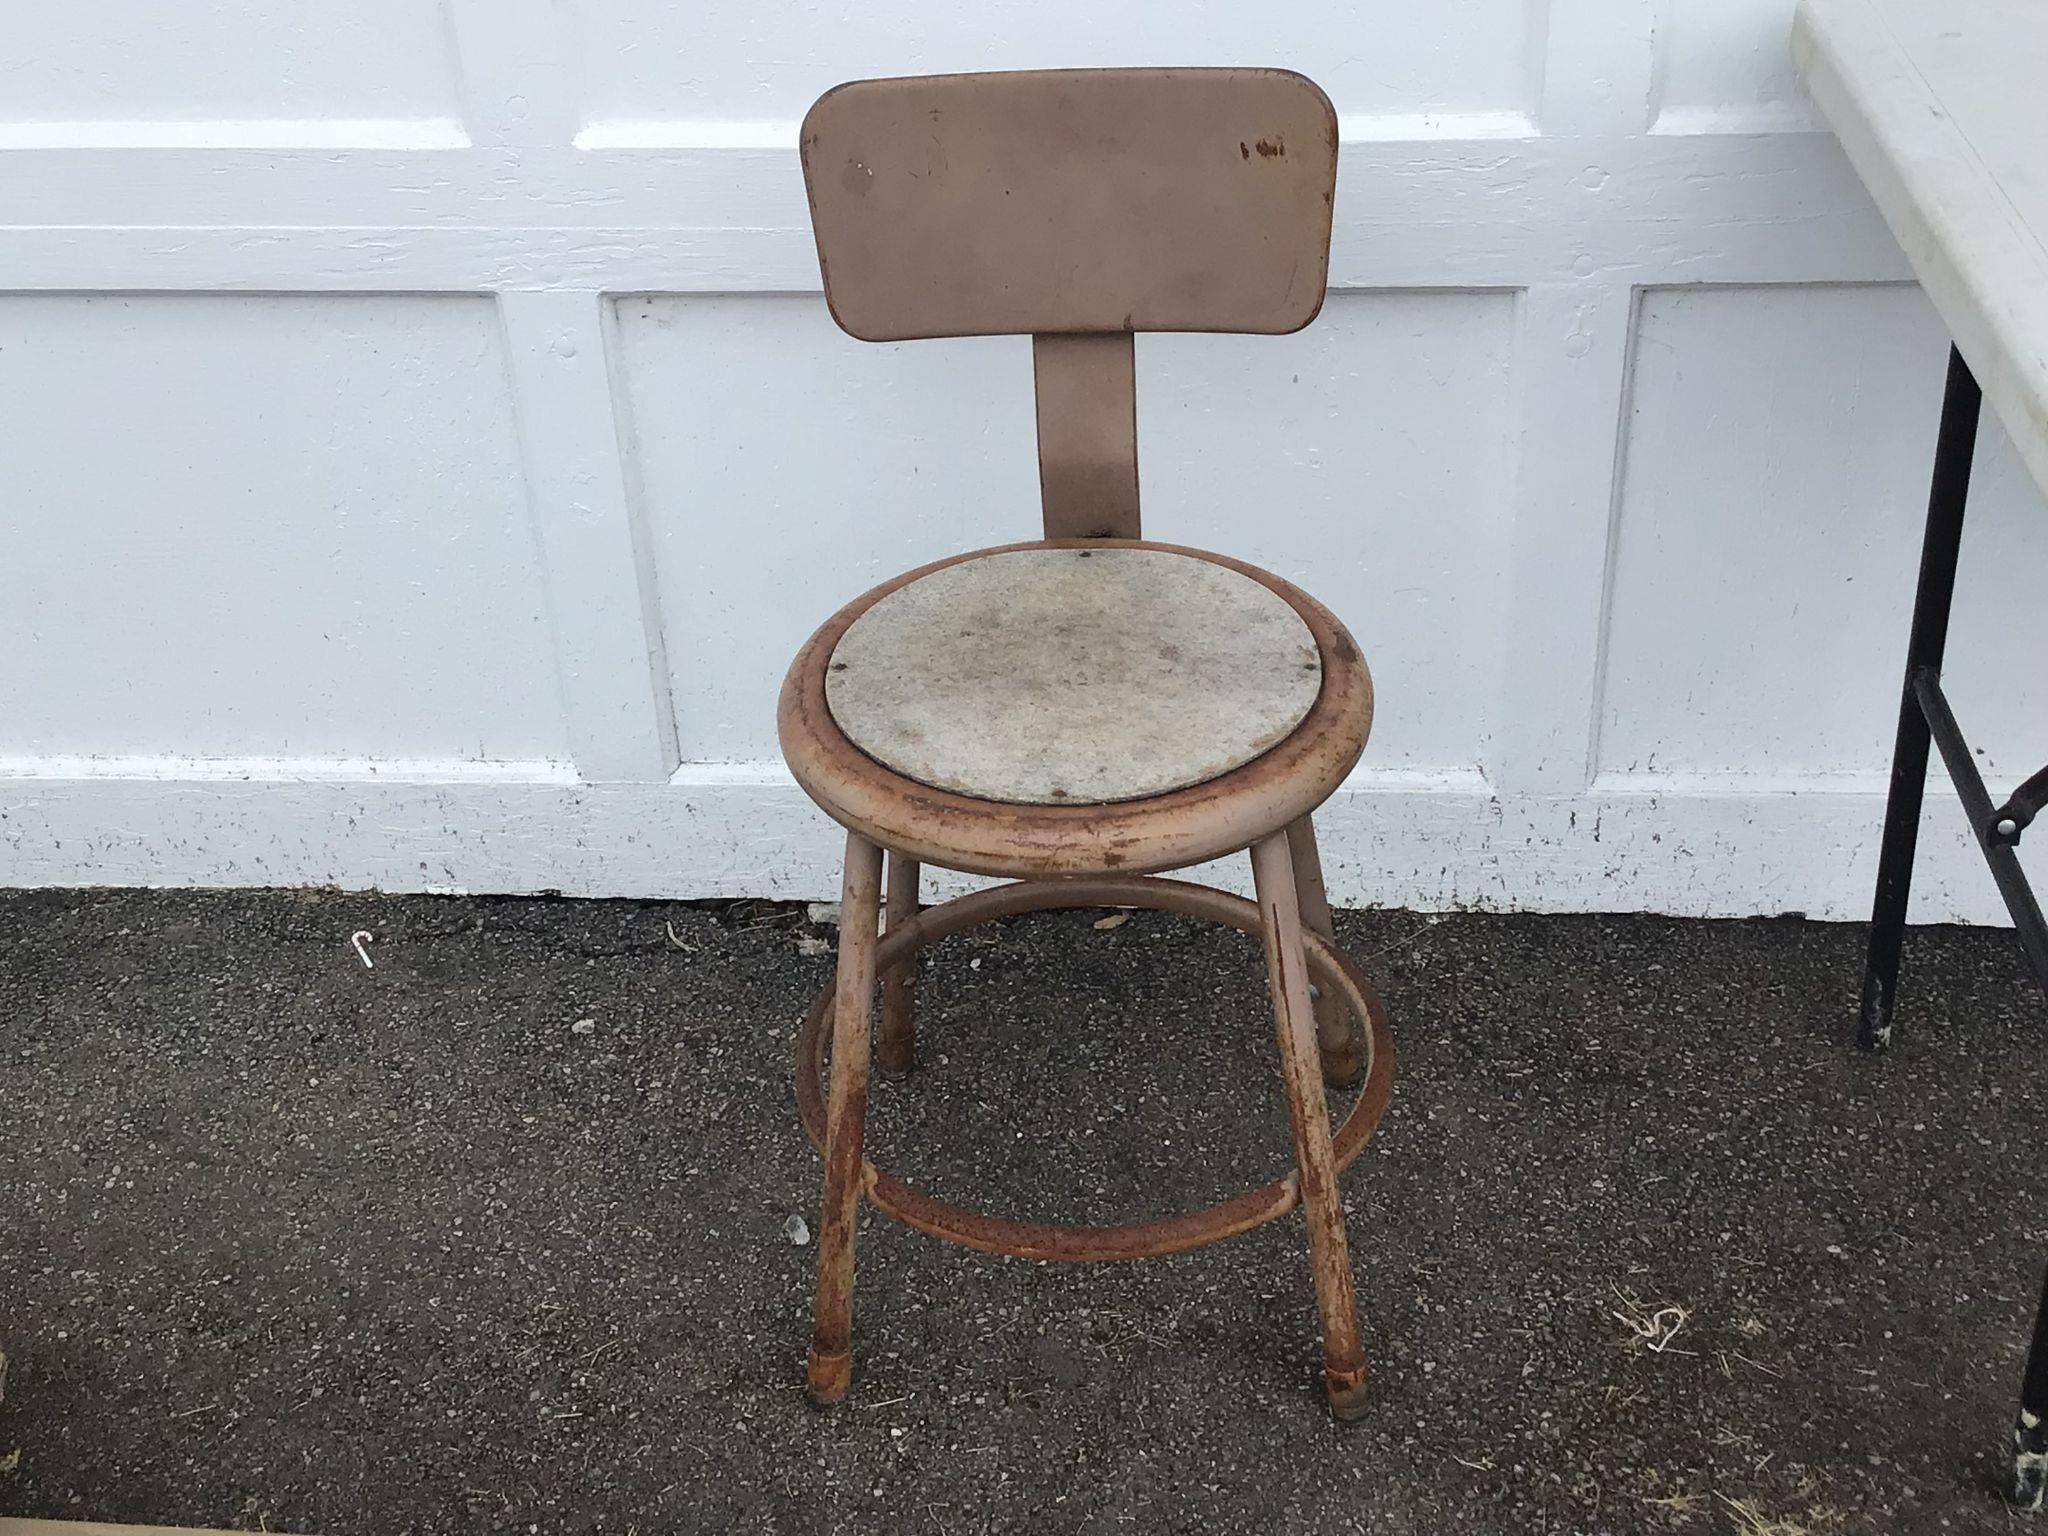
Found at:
(1269, 147)
(1244, 149)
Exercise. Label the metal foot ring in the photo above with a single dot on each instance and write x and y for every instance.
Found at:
(1328, 966)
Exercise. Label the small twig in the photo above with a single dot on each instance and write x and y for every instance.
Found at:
(1421, 931)
(1677, 1503)
(1750, 1519)
(1654, 1330)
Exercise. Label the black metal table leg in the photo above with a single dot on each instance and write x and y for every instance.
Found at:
(2030, 1429)
(1924, 717)
(1954, 449)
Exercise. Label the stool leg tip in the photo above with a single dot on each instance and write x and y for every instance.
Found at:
(1345, 1388)
(1344, 1066)
(827, 1377)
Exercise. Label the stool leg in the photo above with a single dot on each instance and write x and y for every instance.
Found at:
(1321, 1205)
(831, 1358)
(896, 1040)
(1337, 1034)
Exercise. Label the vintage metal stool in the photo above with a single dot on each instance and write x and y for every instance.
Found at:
(1080, 712)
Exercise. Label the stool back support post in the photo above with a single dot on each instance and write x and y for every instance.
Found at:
(1087, 434)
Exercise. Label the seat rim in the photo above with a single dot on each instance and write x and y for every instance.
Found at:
(1171, 830)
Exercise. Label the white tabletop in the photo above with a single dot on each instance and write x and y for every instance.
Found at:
(1942, 106)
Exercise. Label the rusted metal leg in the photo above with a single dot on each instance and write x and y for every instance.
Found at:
(896, 1040)
(860, 896)
(1321, 1204)
(1337, 1033)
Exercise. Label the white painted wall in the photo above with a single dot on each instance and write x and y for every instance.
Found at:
(424, 446)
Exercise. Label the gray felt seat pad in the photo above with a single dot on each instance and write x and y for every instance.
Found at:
(1065, 677)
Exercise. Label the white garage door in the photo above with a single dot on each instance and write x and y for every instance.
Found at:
(422, 445)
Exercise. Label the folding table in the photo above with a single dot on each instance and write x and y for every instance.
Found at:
(1942, 107)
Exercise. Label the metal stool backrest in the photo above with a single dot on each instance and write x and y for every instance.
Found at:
(1079, 207)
